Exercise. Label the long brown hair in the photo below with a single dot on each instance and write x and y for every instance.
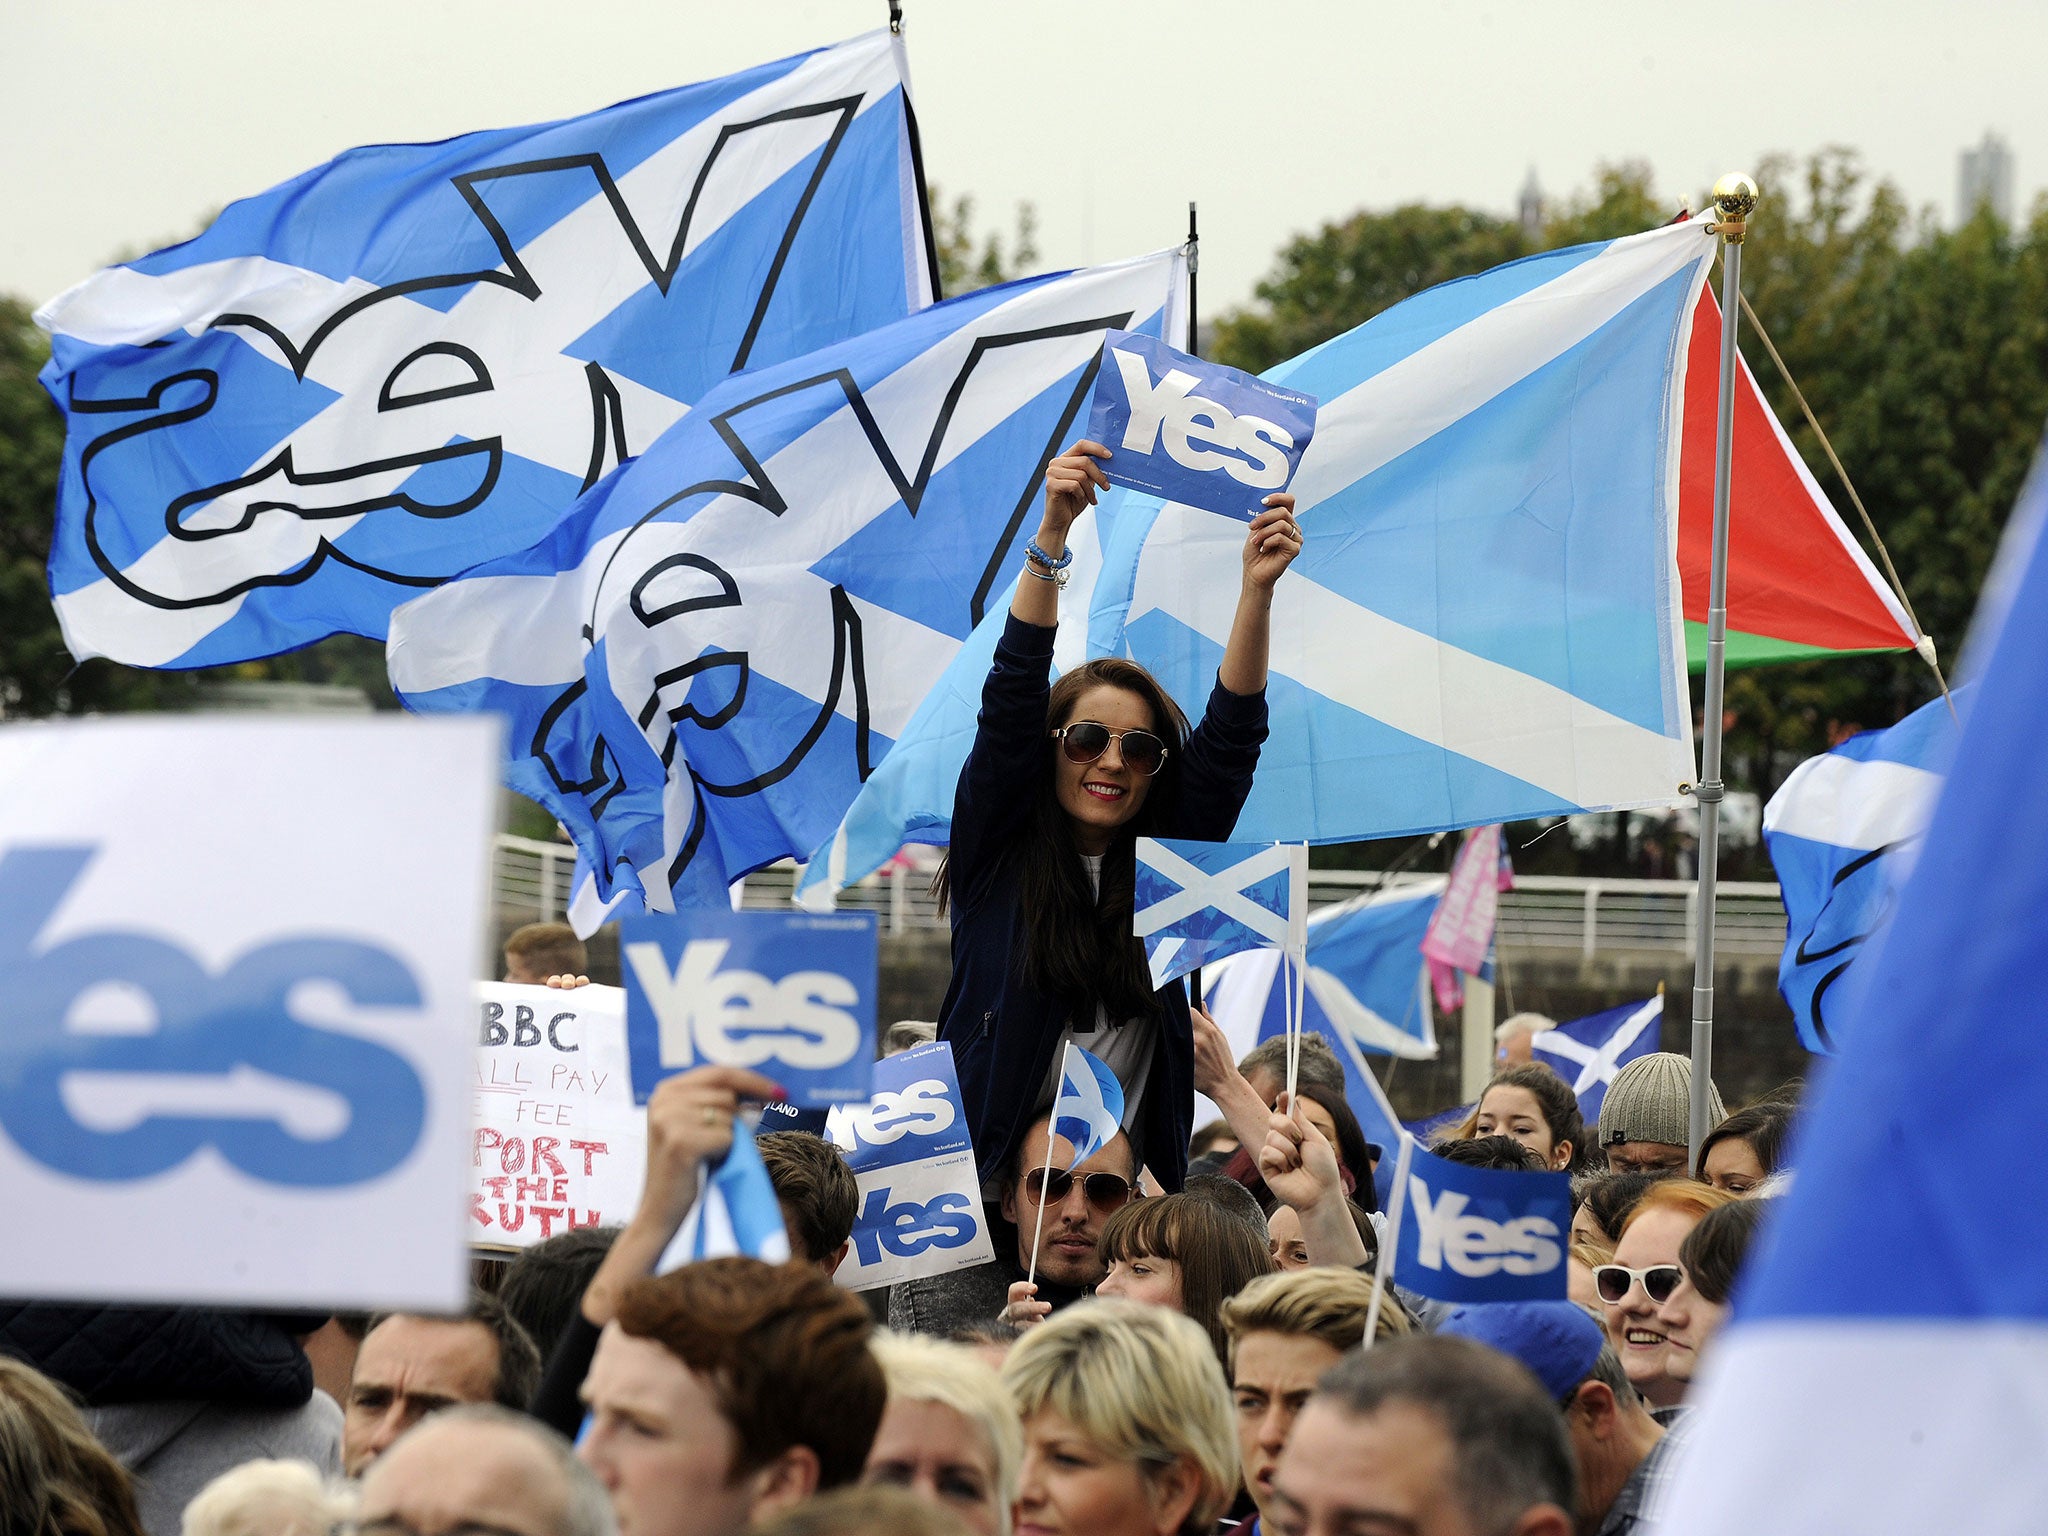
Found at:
(55, 1478)
(1077, 944)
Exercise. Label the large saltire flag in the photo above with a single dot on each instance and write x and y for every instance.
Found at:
(1886, 1368)
(712, 650)
(1798, 583)
(1484, 623)
(1842, 830)
(416, 357)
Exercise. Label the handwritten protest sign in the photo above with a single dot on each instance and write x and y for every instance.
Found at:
(1195, 432)
(913, 1157)
(788, 994)
(237, 956)
(558, 1141)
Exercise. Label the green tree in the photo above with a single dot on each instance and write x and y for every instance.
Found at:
(968, 261)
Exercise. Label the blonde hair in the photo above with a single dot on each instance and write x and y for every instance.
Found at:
(55, 1478)
(1318, 1303)
(1142, 1383)
(920, 1369)
(269, 1498)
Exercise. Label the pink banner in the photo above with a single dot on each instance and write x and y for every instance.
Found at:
(1461, 932)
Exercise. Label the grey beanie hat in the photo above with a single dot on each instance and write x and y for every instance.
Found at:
(1650, 1099)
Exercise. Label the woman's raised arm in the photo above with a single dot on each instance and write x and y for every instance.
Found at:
(1270, 546)
(1071, 481)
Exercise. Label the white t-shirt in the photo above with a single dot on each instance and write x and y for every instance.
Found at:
(1126, 1049)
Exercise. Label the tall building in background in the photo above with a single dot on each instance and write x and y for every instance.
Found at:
(1530, 209)
(1984, 176)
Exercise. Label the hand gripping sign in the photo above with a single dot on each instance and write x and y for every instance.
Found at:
(910, 1151)
(1194, 432)
(787, 994)
(238, 1042)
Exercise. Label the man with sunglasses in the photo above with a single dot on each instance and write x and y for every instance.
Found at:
(1077, 1203)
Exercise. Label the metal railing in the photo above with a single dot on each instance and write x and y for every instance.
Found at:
(1552, 913)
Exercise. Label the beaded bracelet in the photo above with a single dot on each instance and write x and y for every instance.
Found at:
(1033, 552)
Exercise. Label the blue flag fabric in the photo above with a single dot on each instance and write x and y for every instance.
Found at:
(1089, 1108)
(1588, 1052)
(1483, 1234)
(414, 358)
(1884, 1369)
(1484, 622)
(1841, 830)
(1226, 448)
(1195, 902)
(736, 1213)
(713, 649)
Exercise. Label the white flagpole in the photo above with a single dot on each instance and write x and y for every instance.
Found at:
(1038, 1226)
(1383, 1266)
(1735, 198)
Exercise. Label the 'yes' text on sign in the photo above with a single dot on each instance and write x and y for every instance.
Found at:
(920, 1197)
(786, 994)
(1194, 432)
(1483, 1234)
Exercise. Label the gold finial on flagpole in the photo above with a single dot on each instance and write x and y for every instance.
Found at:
(1735, 199)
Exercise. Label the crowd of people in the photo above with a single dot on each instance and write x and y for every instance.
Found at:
(1172, 1337)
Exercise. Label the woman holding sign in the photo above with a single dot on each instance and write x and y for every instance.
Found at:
(1062, 780)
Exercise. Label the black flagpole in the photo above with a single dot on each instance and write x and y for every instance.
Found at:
(1194, 265)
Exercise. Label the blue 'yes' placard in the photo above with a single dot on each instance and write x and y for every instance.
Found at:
(786, 994)
(1195, 432)
(1483, 1234)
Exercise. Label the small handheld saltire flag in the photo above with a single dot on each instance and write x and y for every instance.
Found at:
(1195, 902)
(1482, 1234)
(707, 656)
(1841, 830)
(736, 1212)
(1798, 582)
(414, 358)
(1089, 1108)
(1483, 624)
(1588, 1052)
(1886, 1368)
(1460, 935)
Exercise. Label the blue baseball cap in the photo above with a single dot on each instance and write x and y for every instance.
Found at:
(1556, 1340)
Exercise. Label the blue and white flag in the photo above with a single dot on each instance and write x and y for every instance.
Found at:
(1842, 832)
(1886, 1368)
(414, 358)
(1226, 449)
(1482, 1234)
(1484, 623)
(1089, 1108)
(736, 1213)
(715, 647)
(1197, 902)
(1588, 1052)
(912, 1157)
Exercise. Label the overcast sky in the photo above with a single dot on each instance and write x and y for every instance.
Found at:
(125, 123)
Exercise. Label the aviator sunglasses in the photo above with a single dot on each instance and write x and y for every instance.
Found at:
(1103, 1191)
(1084, 741)
(1613, 1281)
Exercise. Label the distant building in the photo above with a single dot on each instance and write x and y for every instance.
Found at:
(1530, 208)
(1984, 176)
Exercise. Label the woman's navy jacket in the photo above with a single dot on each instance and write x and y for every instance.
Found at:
(1004, 1033)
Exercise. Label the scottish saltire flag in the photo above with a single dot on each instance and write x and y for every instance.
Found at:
(1460, 936)
(1197, 902)
(414, 358)
(1089, 1108)
(736, 1212)
(710, 653)
(1588, 1052)
(1366, 980)
(1842, 830)
(1484, 622)
(1886, 1368)
(1482, 1234)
